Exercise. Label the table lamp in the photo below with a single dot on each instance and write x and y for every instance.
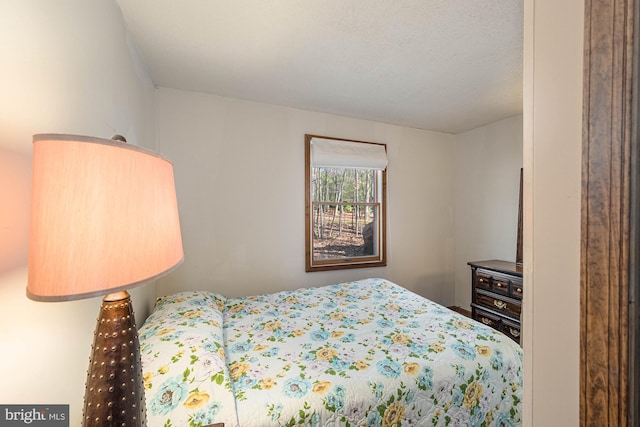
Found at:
(104, 218)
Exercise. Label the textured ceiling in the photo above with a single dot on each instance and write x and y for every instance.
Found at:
(444, 65)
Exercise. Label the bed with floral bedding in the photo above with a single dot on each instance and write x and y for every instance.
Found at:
(364, 353)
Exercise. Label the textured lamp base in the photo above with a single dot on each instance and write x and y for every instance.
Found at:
(114, 395)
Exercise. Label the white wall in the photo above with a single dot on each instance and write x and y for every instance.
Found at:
(66, 67)
(240, 180)
(487, 184)
(552, 164)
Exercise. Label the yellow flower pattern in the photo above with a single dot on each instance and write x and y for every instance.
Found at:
(196, 400)
(237, 369)
(473, 393)
(393, 415)
(361, 365)
(321, 387)
(326, 353)
(483, 350)
(267, 383)
(411, 368)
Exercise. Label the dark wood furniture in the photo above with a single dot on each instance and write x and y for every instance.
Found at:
(610, 251)
(496, 298)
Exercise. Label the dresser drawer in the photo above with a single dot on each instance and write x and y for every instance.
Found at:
(511, 329)
(499, 304)
(487, 318)
(516, 290)
(500, 285)
(483, 281)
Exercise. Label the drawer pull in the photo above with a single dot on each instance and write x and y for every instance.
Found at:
(486, 321)
(500, 304)
(519, 290)
(500, 285)
(514, 332)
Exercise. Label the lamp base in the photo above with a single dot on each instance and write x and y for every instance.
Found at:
(114, 394)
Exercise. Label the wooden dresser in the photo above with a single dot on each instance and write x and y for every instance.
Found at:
(496, 298)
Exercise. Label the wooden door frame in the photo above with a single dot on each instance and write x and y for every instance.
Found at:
(610, 222)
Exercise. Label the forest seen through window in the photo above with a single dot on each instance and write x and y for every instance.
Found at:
(345, 213)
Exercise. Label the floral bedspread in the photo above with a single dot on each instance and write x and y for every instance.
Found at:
(365, 353)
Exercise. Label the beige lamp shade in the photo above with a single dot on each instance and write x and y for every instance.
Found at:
(104, 217)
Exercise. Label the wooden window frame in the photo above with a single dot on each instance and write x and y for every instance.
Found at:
(312, 265)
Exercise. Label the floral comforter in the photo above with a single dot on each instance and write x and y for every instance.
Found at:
(365, 353)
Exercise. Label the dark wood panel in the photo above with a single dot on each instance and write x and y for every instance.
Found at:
(520, 219)
(608, 89)
(505, 267)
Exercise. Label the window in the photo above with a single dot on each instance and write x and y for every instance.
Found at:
(345, 203)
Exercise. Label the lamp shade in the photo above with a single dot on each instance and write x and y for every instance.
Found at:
(104, 217)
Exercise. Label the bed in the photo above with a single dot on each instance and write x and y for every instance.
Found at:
(363, 353)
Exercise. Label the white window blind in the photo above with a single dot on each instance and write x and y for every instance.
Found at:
(331, 153)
